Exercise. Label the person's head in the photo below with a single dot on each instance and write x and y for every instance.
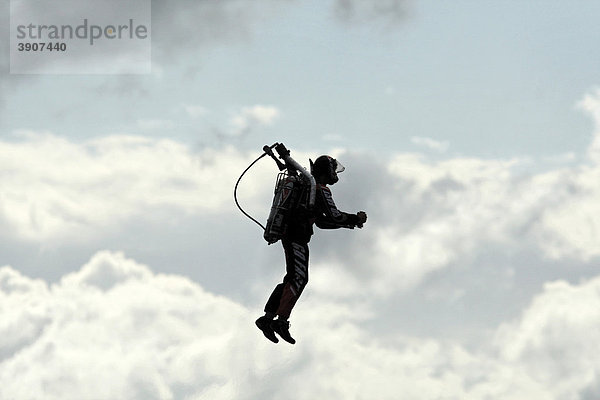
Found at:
(325, 170)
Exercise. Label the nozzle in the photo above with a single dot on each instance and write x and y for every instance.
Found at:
(269, 151)
(282, 150)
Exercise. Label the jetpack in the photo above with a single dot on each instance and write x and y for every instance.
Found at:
(295, 191)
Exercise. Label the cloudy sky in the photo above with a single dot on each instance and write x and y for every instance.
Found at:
(470, 132)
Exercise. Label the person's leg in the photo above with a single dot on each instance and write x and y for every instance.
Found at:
(296, 278)
(296, 256)
(273, 303)
(285, 295)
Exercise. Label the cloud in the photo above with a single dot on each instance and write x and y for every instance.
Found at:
(575, 221)
(194, 110)
(178, 28)
(182, 27)
(74, 190)
(591, 105)
(155, 124)
(189, 24)
(431, 144)
(430, 218)
(450, 245)
(448, 226)
(554, 338)
(454, 208)
(425, 216)
(251, 117)
(356, 10)
(116, 329)
(548, 352)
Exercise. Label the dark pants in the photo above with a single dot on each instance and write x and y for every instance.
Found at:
(285, 295)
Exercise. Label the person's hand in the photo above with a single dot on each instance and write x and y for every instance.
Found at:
(362, 218)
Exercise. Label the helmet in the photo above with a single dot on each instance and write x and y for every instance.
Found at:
(328, 167)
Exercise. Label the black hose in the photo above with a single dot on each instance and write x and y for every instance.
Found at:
(235, 192)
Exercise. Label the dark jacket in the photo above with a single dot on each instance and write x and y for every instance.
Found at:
(324, 214)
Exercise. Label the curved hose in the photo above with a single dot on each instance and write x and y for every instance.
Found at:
(235, 192)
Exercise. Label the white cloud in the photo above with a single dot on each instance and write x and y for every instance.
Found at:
(155, 124)
(126, 333)
(73, 190)
(430, 216)
(251, 117)
(116, 329)
(452, 210)
(564, 158)
(194, 110)
(554, 341)
(430, 144)
(591, 104)
(572, 225)
(575, 219)
(424, 215)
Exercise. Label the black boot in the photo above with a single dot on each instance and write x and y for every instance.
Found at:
(264, 324)
(282, 328)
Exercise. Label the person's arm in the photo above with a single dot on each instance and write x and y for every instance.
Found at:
(329, 217)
